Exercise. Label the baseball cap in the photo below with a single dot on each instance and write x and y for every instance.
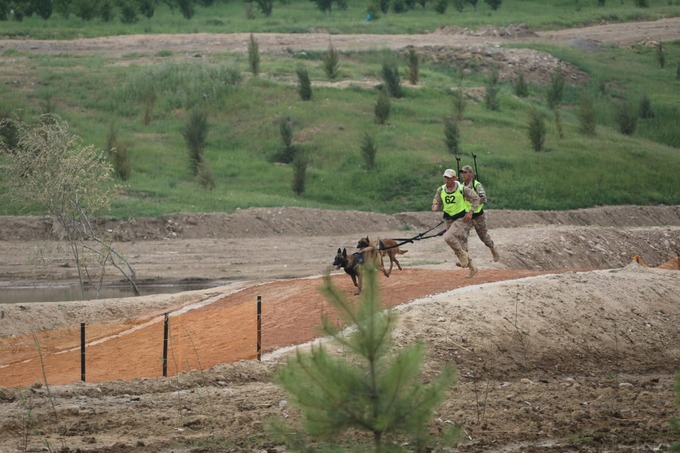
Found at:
(466, 168)
(449, 173)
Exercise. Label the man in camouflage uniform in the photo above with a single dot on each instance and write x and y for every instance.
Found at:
(478, 216)
(458, 202)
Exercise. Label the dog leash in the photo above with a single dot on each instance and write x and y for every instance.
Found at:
(417, 237)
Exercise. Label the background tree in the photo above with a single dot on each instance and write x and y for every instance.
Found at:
(330, 62)
(458, 103)
(327, 5)
(369, 151)
(390, 74)
(195, 134)
(491, 91)
(186, 7)
(266, 7)
(304, 84)
(626, 117)
(520, 87)
(645, 110)
(536, 130)
(493, 4)
(286, 153)
(554, 97)
(451, 135)
(413, 66)
(555, 91)
(42, 8)
(299, 164)
(50, 167)
(383, 106)
(473, 3)
(375, 389)
(440, 6)
(254, 55)
(586, 113)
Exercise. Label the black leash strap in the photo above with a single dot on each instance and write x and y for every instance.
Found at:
(417, 237)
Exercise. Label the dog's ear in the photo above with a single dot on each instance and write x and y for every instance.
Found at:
(339, 251)
(344, 252)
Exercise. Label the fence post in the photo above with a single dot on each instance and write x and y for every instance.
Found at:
(82, 351)
(259, 328)
(165, 346)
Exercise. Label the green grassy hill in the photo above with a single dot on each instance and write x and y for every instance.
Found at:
(101, 96)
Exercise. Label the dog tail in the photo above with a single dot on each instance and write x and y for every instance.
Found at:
(401, 252)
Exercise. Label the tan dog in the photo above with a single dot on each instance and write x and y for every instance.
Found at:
(387, 247)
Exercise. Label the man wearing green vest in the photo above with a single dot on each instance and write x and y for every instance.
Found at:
(458, 203)
(478, 217)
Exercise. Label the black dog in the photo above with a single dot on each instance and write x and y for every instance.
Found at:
(350, 263)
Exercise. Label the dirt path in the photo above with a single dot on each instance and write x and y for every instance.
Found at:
(624, 34)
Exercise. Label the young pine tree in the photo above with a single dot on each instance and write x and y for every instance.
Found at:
(536, 130)
(587, 115)
(413, 66)
(383, 106)
(331, 62)
(304, 83)
(369, 151)
(371, 387)
(254, 55)
(195, 134)
(451, 136)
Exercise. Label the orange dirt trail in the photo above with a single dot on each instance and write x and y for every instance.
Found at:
(220, 332)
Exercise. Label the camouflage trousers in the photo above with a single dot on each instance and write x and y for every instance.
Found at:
(479, 224)
(455, 230)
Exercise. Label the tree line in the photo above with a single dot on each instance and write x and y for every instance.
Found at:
(130, 11)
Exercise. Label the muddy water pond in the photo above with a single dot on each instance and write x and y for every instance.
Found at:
(65, 293)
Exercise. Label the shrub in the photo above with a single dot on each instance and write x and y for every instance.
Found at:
(491, 92)
(536, 129)
(382, 107)
(413, 66)
(451, 136)
(493, 4)
(390, 73)
(304, 84)
(626, 118)
(520, 87)
(586, 113)
(195, 134)
(148, 99)
(330, 62)
(368, 151)
(266, 7)
(458, 103)
(253, 55)
(299, 164)
(286, 153)
(645, 111)
(661, 55)
(205, 176)
(555, 89)
(440, 6)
